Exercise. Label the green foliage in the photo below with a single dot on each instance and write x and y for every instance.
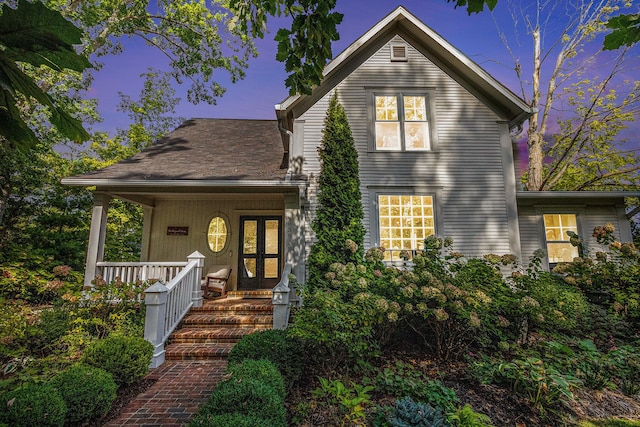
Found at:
(37, 286)
(541, 384)
(127, 359)
(338, 218)
(465, 416)
(31, 33)
(246, 397)
(403, 380)
(610, 422)
(408, 413)
(626, 31)
(87, 391)
(277, 346)
(32, 405)
(228, 420)
(475, 6)
(352, 399)
(259, 370)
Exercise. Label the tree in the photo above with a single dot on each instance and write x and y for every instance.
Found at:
(339, 213)
(32, 34)
(626, 31)
(560, 58)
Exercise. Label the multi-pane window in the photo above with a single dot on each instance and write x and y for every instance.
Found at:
(405, 221)
(559, 249)
(217, 234)
(401, 122)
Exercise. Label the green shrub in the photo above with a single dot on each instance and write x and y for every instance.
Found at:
(277, 346)
(403, 380)
(261, 370)
(246, 397)
(228, 420)
(408, 413)
(467, 417)
(127, 359)
(87, 391)
(32, 405)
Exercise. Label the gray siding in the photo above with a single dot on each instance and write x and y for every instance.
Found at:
(588, 217)
(465, 170)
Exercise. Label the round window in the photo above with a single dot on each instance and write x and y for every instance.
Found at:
(217, 234)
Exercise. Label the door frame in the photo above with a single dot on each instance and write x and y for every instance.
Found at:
(246, 283)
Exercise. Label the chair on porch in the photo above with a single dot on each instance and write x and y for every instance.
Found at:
(216, 280)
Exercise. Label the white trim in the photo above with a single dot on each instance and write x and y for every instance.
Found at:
(116, 182)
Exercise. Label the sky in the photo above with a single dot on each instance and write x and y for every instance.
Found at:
(263, 87)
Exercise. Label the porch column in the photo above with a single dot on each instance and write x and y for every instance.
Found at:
(146, 232)
(294, 235)
(97, 233)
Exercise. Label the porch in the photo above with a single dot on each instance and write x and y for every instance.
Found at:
(181, 325)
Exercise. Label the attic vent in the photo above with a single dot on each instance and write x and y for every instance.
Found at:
(399, 53)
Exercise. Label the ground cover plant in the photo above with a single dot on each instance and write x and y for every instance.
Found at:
(48, 323)
(465, 325)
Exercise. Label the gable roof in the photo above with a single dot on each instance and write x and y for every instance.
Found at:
(466, 71)
(190, 152)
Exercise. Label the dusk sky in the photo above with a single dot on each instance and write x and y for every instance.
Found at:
(255, 96)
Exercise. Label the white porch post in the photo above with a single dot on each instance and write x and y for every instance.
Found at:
(97, 233)
(196, 294)
(154, 328)
(294, 237)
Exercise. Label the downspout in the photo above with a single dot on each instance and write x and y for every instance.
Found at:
(287, 150)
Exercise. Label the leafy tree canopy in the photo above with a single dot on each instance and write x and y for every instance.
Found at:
(35, 35)
(474, 6)
(626, 31)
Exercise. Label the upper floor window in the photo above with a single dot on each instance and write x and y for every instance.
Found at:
(559, 249)
(405, 221)
(401, 122)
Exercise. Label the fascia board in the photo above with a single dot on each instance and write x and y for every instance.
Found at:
(118, 183)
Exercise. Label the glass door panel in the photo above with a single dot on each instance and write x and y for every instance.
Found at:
(260, 261)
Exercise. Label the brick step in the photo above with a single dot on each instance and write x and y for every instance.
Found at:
(255, 294)
(198, 351)
(235, 306)
(203, 320)
(209, 335)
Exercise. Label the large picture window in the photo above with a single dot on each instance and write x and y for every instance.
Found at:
(559, 249)
(401, 122)
(405, 221)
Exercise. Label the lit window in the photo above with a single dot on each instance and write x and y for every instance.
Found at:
(401, 122)
(217, 234)
(405, 221)
(559, 249)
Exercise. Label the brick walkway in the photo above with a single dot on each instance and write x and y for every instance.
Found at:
(181, 388)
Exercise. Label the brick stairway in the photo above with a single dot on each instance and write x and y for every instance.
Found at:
(210, 332)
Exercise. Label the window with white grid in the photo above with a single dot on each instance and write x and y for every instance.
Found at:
(405, 221)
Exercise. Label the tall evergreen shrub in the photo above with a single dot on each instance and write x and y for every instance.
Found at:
(339, 213)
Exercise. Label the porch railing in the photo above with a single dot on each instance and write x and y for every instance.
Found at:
(130, 272)
(168, 304)
(285, 296)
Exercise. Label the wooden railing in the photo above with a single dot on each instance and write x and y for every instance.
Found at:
(168, 304)
(130, 272)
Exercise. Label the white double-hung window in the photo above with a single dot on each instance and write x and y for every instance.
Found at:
(401, 122)
(556, 225)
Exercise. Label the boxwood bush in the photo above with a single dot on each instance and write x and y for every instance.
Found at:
(260, 370)
(281, 349)
(246, 397)
(32, 405)
(127, 359)
(87, 391)
(228, 420)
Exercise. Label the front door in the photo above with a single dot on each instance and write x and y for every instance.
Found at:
(260, 252)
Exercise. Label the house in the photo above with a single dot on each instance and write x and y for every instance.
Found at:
(433, 133)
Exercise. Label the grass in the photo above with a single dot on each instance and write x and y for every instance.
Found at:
(611, 422)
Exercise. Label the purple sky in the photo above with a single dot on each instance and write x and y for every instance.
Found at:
(263, 87)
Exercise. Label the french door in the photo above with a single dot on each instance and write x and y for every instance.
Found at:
(260, 261)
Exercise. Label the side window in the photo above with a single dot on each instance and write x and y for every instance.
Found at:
(404, 221)
(559, 249)
(217, 234)
(401, 122)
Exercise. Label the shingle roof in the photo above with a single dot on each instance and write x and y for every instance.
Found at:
(206, 149)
